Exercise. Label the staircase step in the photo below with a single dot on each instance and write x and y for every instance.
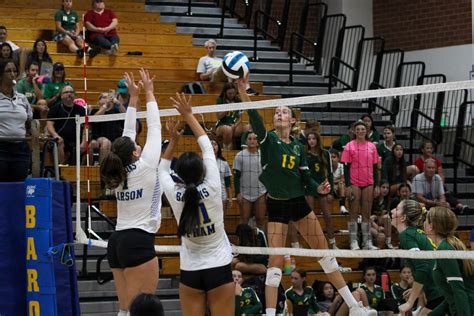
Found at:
(294, 90)
(183, 9)
(214, 32)
(234, 44)
(204, 21)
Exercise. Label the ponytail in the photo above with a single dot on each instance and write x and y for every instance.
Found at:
(112, 167)
(112, 171)
(468, 264)
(189, 219)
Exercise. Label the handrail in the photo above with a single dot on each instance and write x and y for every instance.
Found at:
(257, 29)
(298, 52)
(304, 19)
(248, 13)
(459, 141)
(189, 13)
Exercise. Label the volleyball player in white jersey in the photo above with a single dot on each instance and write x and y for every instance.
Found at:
(206, 254)
(133, 174)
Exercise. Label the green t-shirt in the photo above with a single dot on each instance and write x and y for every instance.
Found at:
(68, 21)
(374, 297)
(247, 302)
(456, 288)
(285, 169)
(374, 136)
(397, 293)
(340, 143)
(52, 89)
(380, 205)
(307, 298)
(25, 87)
(415, 239)
(383, 151)
(318, 172)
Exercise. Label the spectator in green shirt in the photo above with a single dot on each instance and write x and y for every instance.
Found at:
(68, 28)
(52, 91)
(246, 300)
(32, 89)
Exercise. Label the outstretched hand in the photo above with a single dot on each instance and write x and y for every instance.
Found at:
(324, 188)
(173, 128)
(182, 103)
(133, 88)
(242, 83)
(147, 81)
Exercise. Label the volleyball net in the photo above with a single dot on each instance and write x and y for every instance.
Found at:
(419, 117)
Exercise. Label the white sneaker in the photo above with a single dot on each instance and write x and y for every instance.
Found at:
(333, 246)
(355, 245)
(417, 311)
(369, 246)
(360, 310)
(344, 210)
(389, 245)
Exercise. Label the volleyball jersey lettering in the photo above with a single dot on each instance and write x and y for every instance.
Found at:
(129, 195)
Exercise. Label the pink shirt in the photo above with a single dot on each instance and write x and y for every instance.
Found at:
(362, 157)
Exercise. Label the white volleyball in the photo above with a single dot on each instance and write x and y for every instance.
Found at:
(236, 65)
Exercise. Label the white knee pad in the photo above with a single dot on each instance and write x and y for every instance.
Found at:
(273, 277)
(329, 264)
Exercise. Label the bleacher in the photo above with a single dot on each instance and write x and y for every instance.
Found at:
(172, 58)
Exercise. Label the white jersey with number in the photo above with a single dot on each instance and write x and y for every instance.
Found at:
(208, 246)
(139, 196)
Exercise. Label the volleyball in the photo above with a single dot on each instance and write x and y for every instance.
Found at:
(235, 65)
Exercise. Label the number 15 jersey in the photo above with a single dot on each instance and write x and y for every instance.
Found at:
(207, 246)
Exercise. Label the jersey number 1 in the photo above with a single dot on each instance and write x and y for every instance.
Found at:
(205, 216)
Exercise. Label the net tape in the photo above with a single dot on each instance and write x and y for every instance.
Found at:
(81, 237)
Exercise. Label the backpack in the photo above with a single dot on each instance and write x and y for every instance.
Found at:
(194, 88)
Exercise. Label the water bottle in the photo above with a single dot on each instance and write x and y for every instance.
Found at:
(293, 264)
(444, 119)
(287, 265)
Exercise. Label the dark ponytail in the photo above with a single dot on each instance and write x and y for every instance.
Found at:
(112, 167)
(190, 169)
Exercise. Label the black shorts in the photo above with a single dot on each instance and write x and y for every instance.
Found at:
(432, 304)
(130, 248)
(207, 279)
(284, 211)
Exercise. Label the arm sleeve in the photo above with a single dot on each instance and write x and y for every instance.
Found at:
(212, 172)
(152, 150)
(236, 181)
(385, 168)
(347, 174)
(451, 270)
(257, 125)
(376, 175)
(330, 171)
(227, 182)
(129, 127)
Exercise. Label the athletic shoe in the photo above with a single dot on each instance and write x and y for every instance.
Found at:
(417, 311)
(80, 53)
(355, 245)
(93, 52)
(369, 246)
(361, 310)
(344, 210)
(389, 245)
(251, 92)
(114, 49)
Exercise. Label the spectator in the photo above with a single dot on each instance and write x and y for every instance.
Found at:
(427, 152)
(52, 91)
(394, 169)
(381, 228)
(454, 277)
(63, 127)
(384, 148)
(6, 51)
(68, 30)
(372, 133)
(40, 55)
(123, 97)
(209, 67)
(325, 295)
(319, 163)
(15, 115)
(225, 175)
(250, 237)
(471, 239)
(340, 143)
(427, 149)
(18, 53)
(146, 305)
(229, 124)
(428, 186)
(362, 175)
(373, 295)
(246, 300)
(101, 25)
(403, 193)
(300, 298)
(249, 191)
(106, 132)
(338, 176)
(401, 289)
